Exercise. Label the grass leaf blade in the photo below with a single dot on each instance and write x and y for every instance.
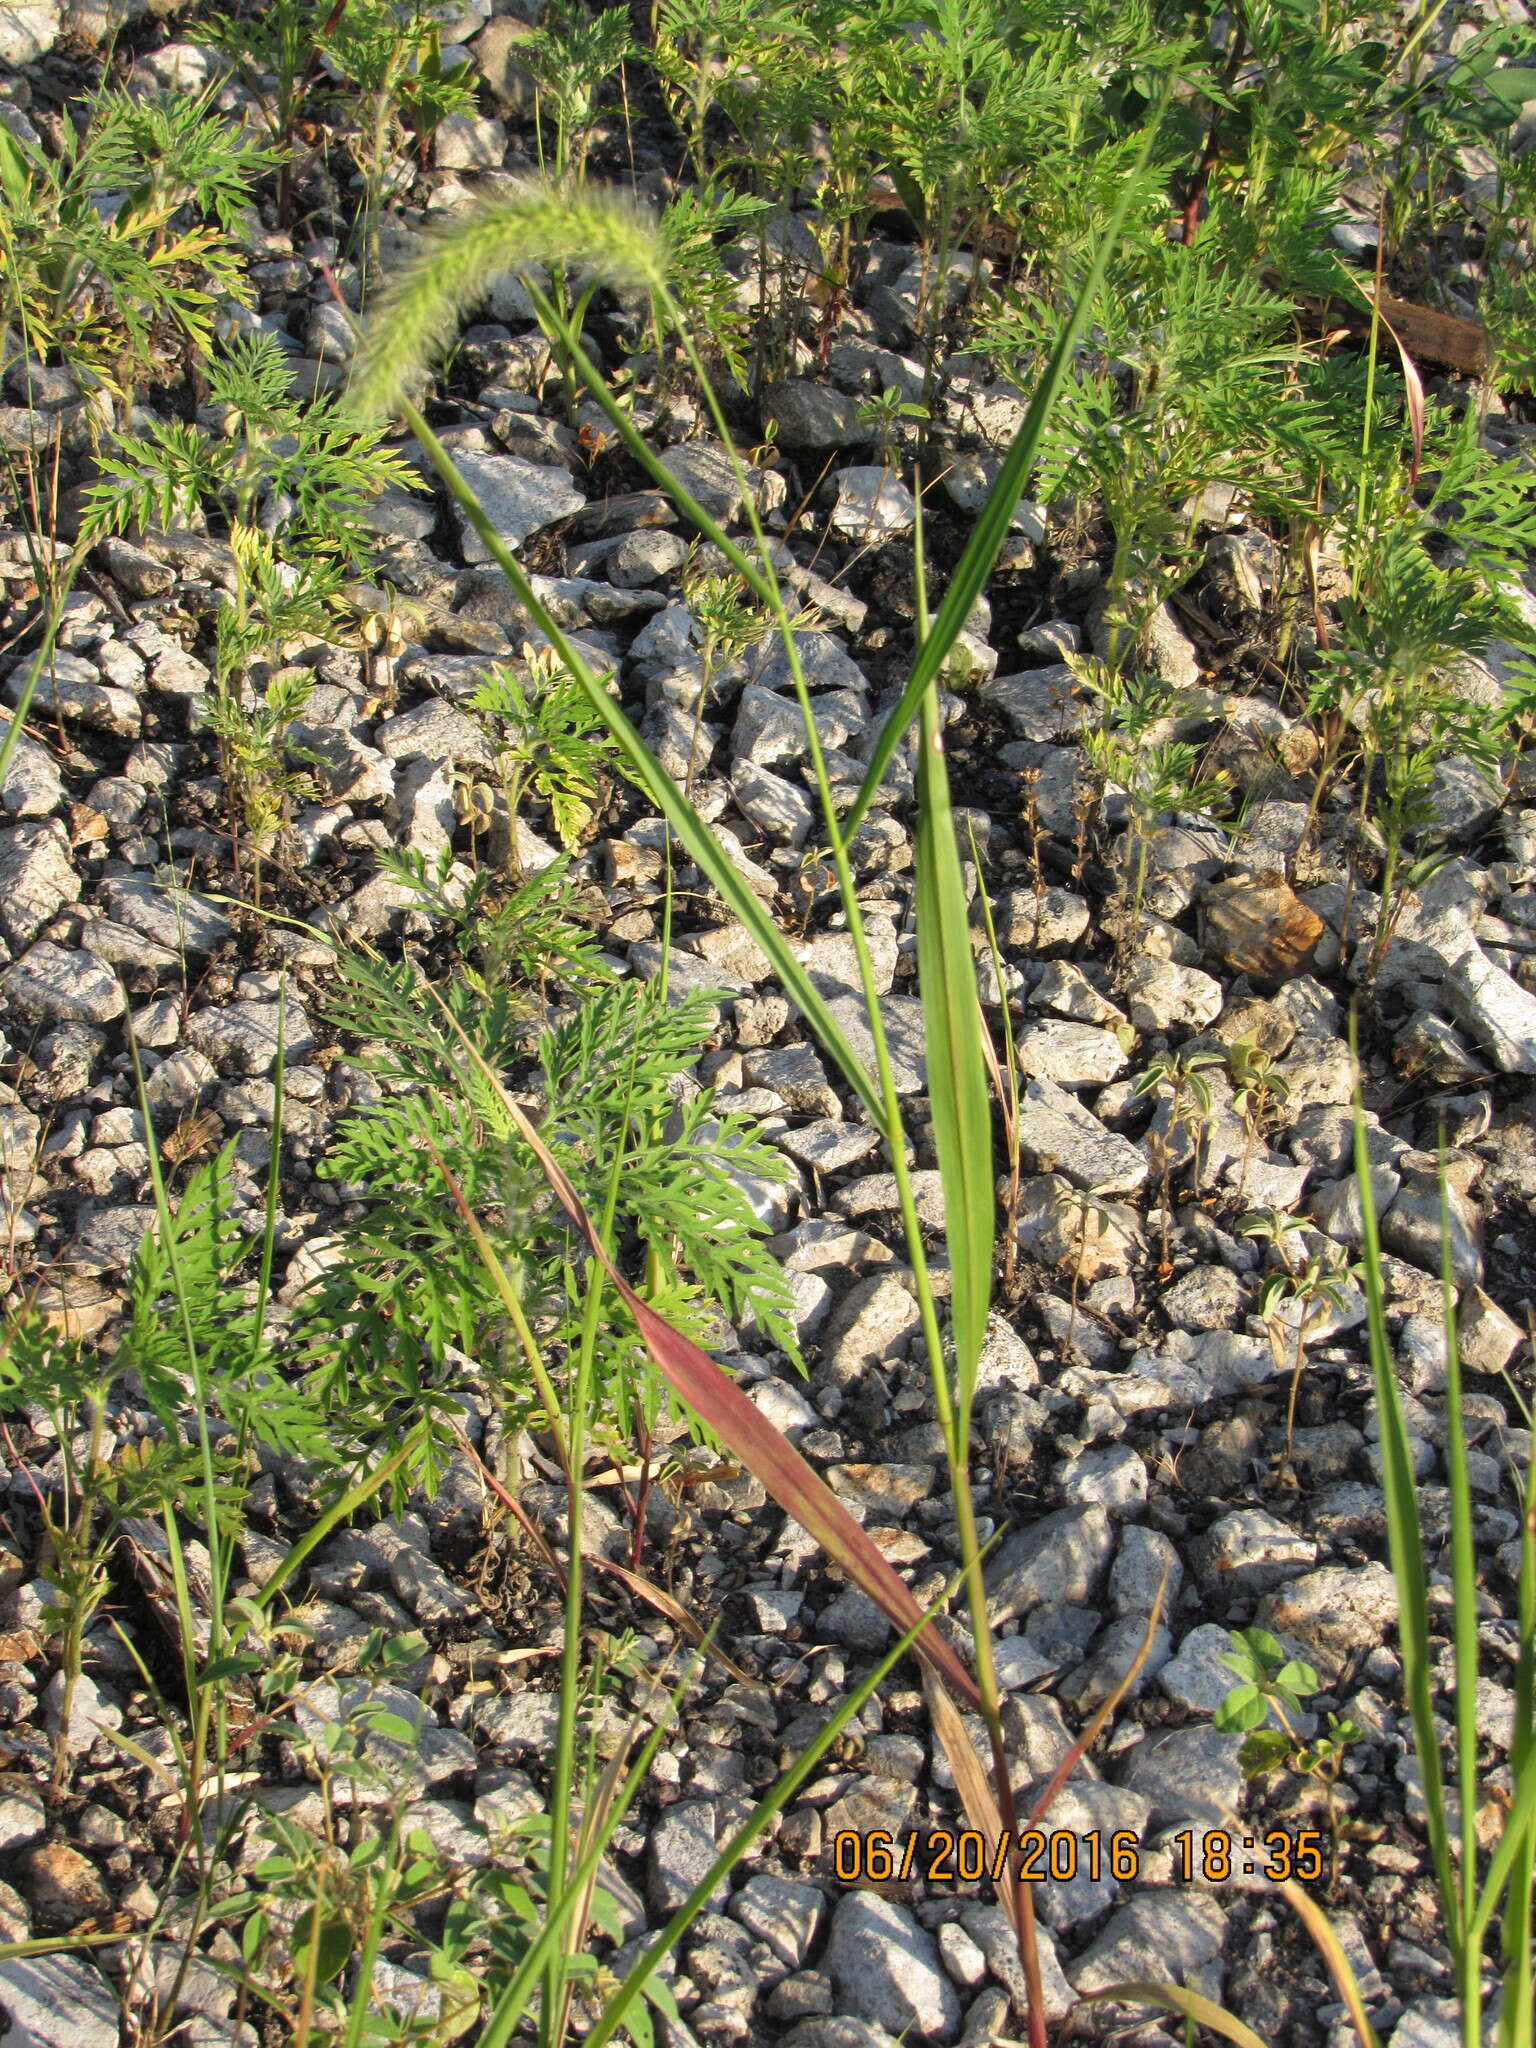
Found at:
(1315, 1920)
(957, 1073)
(1464, 1595)
(1188, 2005)
(991, 528)
(1405, 1539)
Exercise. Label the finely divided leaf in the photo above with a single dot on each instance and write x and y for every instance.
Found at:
(747, 1434)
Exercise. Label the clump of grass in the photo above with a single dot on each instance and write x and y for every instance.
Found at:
(410, 329)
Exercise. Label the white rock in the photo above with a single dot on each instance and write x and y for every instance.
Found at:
(1075, 1055)
(57, 2001)
(91, 1712)
(1162, 1936)
(33, 785)
(1498, 1015)
(885, 1968)
(37, 878)
(1161, 994)
(54, 985)
(872, 505)
(1058, 1135)
(518, 497)
(1333, 1612)
(466, 142)
(1061, 1557)
(28, 31)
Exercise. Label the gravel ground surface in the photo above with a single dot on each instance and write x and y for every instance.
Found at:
(1133, 1415)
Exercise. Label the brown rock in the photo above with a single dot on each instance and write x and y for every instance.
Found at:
(1267, 1028)
(1082, 1237)
(65, 1888)
(1257, 926)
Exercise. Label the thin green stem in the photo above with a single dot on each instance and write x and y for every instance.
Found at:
(554, 2009)
(207, 1701)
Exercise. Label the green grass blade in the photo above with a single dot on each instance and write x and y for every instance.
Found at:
(1187, 2005)
(506, 2015)
(274, 1181)
(517, 1993)
(760, 582)
(957, 1074)
(1404, 1537)
(15, 719)
(773, 1803)
(1331, 1949)
(1463, 1599)
(339, 1511)
(360, 2004)
(991, 527)
(1517, 2018)
(703, 848)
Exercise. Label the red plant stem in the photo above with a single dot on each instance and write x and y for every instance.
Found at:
(1210, 155)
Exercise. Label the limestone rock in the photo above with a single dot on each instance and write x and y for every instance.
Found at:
(885, 1968)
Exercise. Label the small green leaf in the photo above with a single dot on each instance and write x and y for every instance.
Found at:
(1299, 1677)
(252, 1935)
(1243, 1708)
(393, 1727)
(605, 1912)
(1262, 1752)
(332, 1946)
(15, 171)
(1264, 1645)
(227, 1667)
(1514, 85)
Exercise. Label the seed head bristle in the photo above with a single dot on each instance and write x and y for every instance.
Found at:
(595, 232)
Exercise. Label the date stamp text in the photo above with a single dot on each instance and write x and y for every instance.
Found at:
(947, 1856)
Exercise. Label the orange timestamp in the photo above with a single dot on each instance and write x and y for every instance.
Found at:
(940, 1856)
(962, 1856)
(1279, 1855)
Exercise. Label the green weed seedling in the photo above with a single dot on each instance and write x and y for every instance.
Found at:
(101, 294)
(571, 57)
(1259, 1092)
(388, 60)
(1185, 1075)
(289, 480)
(324, 1897)
(1273, 1684)
(1270, 1681)
(546, 743)
(885, 414)
(728, 624)
(383, 73)
(1152, 781)
(1315, 1287)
